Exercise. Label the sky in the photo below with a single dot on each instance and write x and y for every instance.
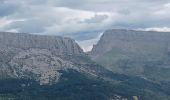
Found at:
(83, 20)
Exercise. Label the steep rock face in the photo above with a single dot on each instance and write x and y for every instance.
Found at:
(134, 53)
(39, 57)
(57, 45)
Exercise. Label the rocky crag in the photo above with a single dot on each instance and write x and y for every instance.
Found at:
(141, 53)
(39, 57)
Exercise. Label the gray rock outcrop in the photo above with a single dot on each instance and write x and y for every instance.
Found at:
(57, 45)
(40, 57)
(143, 53)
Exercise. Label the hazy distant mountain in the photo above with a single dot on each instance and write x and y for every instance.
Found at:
(143, 53)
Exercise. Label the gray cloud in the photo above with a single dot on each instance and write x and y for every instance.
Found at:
(7, 8)
(27, 26)
(96, 19)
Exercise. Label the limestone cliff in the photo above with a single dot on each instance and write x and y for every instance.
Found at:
(144, 53)
(57, 45)
(39, 57)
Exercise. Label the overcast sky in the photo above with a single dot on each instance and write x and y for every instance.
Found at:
(83, 20)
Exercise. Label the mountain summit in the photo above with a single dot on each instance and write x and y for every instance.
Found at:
(130, 52)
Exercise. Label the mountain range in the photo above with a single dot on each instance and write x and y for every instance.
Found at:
(124, 65)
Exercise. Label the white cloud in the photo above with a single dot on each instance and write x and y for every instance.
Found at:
(3, 22)
(158, 29)
(163, 9)
(87, 45)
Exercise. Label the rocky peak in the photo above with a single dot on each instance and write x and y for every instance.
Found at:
(37, 57)
(134, 52)
(56, 44)
(132, 41)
